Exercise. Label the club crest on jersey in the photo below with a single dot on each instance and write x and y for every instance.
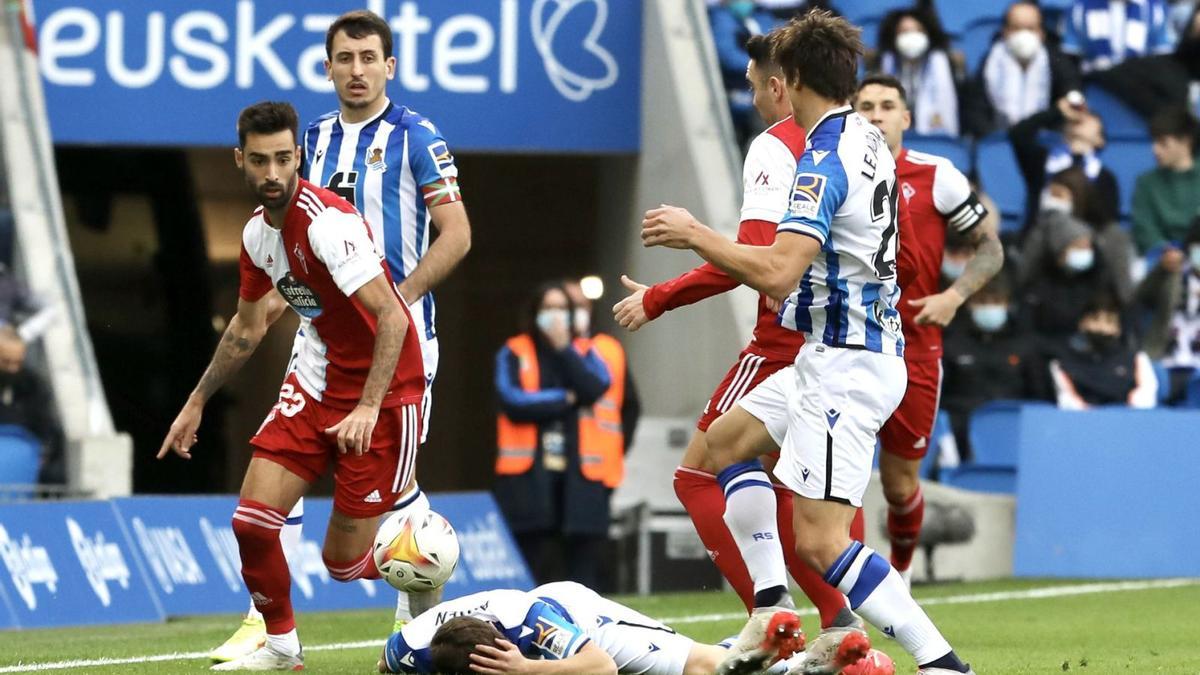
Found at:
(908, 191)
(442, 159)
(297, 294)
(806, 194)
(375, 160)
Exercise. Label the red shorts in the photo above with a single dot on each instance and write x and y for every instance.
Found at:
(293, 436)
(750, 370)
(906, 433)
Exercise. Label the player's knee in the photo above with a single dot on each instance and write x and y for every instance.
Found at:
(254, 525)
(898, 486)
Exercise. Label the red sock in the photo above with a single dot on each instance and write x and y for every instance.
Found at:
(858, 527)
(904, 528)
(702, 498)
(362, 567)
(827, 599)
(264, 569)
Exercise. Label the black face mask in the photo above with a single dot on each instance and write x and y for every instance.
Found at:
(1188, 53)
(1102, 342)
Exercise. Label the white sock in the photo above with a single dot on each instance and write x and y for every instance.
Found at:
(409, 504)
(253, 614)
(285, 643)
(879, 595)
(289, 534)
(750, 517)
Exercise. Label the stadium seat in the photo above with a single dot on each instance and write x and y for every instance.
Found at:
(20, 455)
(975, 40)
(982, 479)
(999, 175)
(1120, 121)
(941, 429)
(1164, 383)
(958, 16)
(858, 10)
(993, 433)
(1127, 160)
(953, 149)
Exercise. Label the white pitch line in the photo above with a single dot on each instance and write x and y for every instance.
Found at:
(1030, 594)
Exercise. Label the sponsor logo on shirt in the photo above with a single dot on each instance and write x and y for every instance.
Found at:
(806, 194)
(442, 159)
(302, 298)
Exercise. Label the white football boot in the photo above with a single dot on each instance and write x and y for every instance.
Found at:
(251, 635)
(265, 658)
(770, 635)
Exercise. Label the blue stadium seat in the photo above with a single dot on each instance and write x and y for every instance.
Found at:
(1127, 160)
(857, 10)
(981, 479)
(953, 149)
(975, 40)
(999, 175)
(941, 429)
(1164, 382)
(957, 16)
(1120, 121)
(993, 433)
(20, 455)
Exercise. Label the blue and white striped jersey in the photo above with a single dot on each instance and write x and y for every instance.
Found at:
(393, 168)
(845, 197)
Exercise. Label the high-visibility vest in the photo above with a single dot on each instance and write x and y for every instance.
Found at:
(601, 440)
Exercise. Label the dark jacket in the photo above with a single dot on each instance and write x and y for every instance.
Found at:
(1099, 376)
(1054, 301)
(552, 500)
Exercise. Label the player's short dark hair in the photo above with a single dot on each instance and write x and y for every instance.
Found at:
(454, 641)
(1175, 121)
(267, 117)
(359, 24)
(885, 80)
(1103, 301)
(819, 51)
(758, 47)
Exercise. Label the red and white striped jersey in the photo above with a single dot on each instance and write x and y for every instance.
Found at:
(318, 259)
(937, 196)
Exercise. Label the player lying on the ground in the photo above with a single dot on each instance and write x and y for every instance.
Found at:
(561, 627)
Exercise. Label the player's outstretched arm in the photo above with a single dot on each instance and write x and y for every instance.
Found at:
(242, 336)
(391, 323)
(444, 254)
(506, 659)
(940, 308)
(772, 270)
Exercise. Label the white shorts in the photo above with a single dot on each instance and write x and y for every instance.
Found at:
(637, 643)
(768, 402)
(429, 356)
(839, 401)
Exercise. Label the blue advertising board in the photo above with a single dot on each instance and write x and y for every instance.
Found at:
(145, 558)
(70, 563)
(494, 75)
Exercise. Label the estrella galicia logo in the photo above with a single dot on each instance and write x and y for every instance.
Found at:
(574, 85)
(302, 298)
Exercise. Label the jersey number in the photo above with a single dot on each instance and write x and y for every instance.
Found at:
(884, 204)
(343, 183)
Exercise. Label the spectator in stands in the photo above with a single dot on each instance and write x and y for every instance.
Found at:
(26, 401)
(1079, 144)
(1103, 33)
(1021, 74)
(1096, 367)
(1151, 84)
(1170, 293)
(786, 9)
(914, 48)
(988, 359)
(1055, 295)
(1166, 199)
(550, 483)
(1070, 192)
(733, 23)
(20, 309)
(957, 253)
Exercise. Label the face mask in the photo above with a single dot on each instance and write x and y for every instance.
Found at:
(912, 45)
(1194, 257)
(1049, 202)
(952, 269)
(741, 8)
(583, 320)
(1080, 259)
(989, 318)
(1023, 44)
(552, 319)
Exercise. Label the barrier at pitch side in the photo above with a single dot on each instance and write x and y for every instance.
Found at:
(145, 558)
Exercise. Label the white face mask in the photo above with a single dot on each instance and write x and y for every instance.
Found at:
(1080, 259)
(989, 318)
(912, 44)
(1049, 202)
(583, 321)
(551, 319)
(1023, 44)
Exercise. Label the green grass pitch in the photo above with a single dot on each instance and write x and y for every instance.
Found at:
(1000, 627)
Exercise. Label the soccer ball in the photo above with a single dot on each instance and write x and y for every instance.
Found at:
(417, 553)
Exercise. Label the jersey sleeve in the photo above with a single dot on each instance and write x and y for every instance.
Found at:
(549, 635)
(432, 164)
(340, 240)
(401, 657)
(818, 192)
(954, 198)
(767, 174)
(253, 281)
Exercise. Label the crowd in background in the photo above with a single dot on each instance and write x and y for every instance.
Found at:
(1099, 303)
